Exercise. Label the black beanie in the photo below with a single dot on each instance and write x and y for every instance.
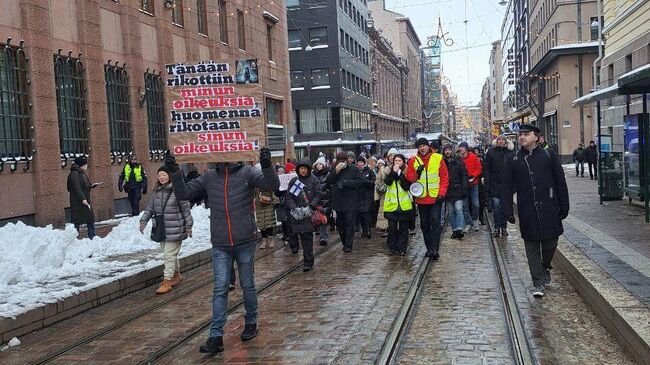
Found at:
(80, 161)
(421, 141)
(165, 169)
(361, 159)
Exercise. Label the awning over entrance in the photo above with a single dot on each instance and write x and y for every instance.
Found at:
(636, 81)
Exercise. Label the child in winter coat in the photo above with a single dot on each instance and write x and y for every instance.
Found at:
(178, 222)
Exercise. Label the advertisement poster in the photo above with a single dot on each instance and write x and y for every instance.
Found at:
(215, 112)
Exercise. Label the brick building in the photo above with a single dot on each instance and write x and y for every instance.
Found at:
(85, 80)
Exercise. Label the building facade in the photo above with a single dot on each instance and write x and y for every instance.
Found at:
(508, 89)
(495, 83)
(432, 105)
(399, 31)
(521, 56)
(388, 75)
(90, 84)
(562, 54)
(329, 50)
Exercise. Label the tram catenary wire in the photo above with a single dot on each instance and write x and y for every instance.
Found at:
(129, 319)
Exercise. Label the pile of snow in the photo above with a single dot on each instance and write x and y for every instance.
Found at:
(43, 265)
(12, 343)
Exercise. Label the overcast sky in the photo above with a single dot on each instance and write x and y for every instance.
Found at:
(466, 69)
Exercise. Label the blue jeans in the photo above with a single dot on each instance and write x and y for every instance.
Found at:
(472, 198)
(499, 219)
(222, 259)
(456, 215)
(90, 227)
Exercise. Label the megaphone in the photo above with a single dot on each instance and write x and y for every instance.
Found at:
(417, 190)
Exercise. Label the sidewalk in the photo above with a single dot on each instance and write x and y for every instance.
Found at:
(605, 251)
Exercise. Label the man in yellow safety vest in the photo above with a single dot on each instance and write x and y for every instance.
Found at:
(133, 180)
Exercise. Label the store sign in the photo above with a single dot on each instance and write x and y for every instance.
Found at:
(215, 112)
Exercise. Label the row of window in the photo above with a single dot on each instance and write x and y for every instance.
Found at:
(354, 14)
(353, 47)
(295, 4)
(320, 78)
(177, 8)
(355, 84)
(322, 120)
(317, 38)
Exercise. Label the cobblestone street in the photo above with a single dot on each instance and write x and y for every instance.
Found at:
(343, 311)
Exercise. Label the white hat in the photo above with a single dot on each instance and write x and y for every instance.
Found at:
(392, 151)
(380, 161)
(321, 160)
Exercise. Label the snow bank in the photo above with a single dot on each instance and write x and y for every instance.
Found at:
(43, 265)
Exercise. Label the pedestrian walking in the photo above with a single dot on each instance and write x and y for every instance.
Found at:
(591, 156)
(303, 198)
(398, 206)
(281, 208)
(79, 186)
(543, 143)
(429, 170)
(495, 164)
(265, 203)
(380, 191)
(579, 157)
(472, 203)
(366, 196)
(320, 171)
(172, 223)
(536, 175)
(345, 180)
(456, 192)
(230, 188)
(133, 180)
(482, 191)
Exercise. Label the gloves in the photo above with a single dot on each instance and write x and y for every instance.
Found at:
(120, 188)
(142, 225)
(265, 158)
(563, 214)
(511, 219)
(420, 169)
(301, 213)
(170, 163)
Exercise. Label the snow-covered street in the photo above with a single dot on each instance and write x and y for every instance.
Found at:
(44, 265)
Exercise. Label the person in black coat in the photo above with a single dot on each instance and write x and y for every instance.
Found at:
(456, 192)
(302, 198)
(79, 186)
(366, 196)
(493, 172)
(345, 180)
(320, 171)
(482, 189)
(579, 157)
(592, 160)
(537, 177)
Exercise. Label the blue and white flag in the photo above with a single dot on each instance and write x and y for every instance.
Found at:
(297, 188)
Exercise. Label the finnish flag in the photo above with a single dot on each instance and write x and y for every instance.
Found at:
(297, 188)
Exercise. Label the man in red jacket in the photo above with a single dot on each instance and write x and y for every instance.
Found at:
(474, 169)
(429, 170)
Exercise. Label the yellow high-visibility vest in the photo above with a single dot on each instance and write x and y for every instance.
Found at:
(430, 177)
(137, 171)
(397, 197)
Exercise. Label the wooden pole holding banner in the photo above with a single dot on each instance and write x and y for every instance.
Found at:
(215, 111)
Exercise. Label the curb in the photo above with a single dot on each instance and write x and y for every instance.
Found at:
(624, 316)
(51, 313)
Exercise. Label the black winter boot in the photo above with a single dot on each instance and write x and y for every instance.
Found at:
(250, 331)
(212, 346)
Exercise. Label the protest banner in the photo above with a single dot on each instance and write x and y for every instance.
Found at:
(285, 179)
(215, 112)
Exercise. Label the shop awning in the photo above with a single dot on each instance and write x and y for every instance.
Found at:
(636, 81)
(519, 116)
(548, 114)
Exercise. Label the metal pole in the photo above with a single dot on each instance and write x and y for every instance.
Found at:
(646, 164)
(599, 169)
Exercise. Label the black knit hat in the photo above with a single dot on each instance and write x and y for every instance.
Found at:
(361, 159)
(435, 144)
(80, 161)
(421, 141)
(165, 169)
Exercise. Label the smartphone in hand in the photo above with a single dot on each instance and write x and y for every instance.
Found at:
(94, 185)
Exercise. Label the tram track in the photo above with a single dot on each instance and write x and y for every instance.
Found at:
(277, 279)
(520, 345)
(176, 295)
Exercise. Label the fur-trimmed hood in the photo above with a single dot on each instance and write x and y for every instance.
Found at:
(509, 144)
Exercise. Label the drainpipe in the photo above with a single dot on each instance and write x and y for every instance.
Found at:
(596, 66)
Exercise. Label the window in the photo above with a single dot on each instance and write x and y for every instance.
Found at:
(223, 22)
(202, 13)
(318, 36)
(269, 40)
(294, 39)
(154, 96)
(119, 111)
(293, 4)
(315, 120)
(177, 12)
(297, 80)
(273, 111)
(320, 77)
(147, 6)
(317, 3)
(71, 105)
(241, 30)
(15, 126)
(342, 35)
